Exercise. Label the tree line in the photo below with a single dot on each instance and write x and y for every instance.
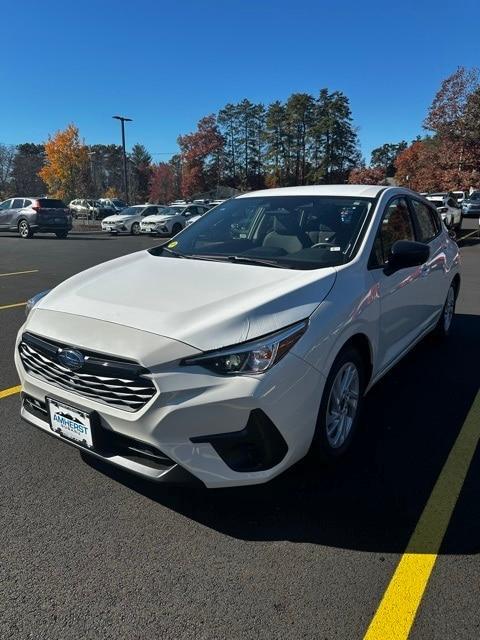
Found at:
(304, 140)
(447, 157)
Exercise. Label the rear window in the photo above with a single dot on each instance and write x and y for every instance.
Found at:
(50, 203)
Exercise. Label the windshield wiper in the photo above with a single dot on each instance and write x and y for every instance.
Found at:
(260, 261)
(172, 252)
(238, 259)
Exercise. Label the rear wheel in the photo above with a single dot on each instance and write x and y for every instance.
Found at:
(341, 405)
(24, 229)
(135, 229)
(176, 229)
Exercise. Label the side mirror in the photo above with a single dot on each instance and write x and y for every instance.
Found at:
(406, 253)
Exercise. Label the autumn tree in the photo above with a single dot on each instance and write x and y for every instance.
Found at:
(162, 183)
(66, 169)
(200, 151)
(366, 175)
(418, 168)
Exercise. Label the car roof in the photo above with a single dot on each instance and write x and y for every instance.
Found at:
(352, 190)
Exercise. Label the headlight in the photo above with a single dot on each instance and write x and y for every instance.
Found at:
(34, 301)
(251, 357)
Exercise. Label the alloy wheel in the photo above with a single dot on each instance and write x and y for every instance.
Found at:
(449, 310)
(342, 405)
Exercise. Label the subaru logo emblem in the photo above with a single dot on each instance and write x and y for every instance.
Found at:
(71, 359)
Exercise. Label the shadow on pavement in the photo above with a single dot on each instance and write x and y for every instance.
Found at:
(373, 499)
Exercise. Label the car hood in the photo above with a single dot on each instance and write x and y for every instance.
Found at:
(117, 218)
(204, 304)
(157, 218)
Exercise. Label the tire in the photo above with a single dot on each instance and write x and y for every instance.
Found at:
(24, 230)
(333, 436)
(444, 324)
(61, 234)
(135, 229)
(176, 229)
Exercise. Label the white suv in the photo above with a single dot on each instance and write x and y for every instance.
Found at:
(224, 357)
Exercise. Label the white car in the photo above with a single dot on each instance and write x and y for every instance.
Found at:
(261, 345)
(128, 220)
(448, 208)
(171, 220)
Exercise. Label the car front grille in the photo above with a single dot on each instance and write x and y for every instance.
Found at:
(118, 383)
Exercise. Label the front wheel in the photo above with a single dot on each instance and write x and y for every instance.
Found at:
(341, 405)
(24, 229)
(444, 324)
(135, 229)
(61, 234)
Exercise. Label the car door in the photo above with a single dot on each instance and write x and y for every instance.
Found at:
(428, 229)
(14, 211)
(403, 311)
(5, 213)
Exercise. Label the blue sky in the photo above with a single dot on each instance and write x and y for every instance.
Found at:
(167, 64)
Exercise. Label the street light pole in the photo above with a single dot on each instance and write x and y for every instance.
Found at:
(125, 175)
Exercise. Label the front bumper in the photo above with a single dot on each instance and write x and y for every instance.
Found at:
(202, 423)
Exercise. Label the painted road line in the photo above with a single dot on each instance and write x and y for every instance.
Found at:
(12, 306)
(18, 273)
(397, 610)
(10, 392)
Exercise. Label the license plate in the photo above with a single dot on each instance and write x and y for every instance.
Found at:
(71, 423)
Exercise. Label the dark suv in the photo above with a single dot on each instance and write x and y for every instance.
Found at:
(32, 215)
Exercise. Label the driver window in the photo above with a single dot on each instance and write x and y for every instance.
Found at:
(396, 225)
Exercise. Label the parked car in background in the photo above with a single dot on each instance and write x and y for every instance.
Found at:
(471, 205)
(112, 205)
(83, 209)
(448, 208)
(460, 196)
(172, 220)
(258, 349)
(128, 220)
(32, 215)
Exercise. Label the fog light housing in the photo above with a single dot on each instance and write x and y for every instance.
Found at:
(257, 447)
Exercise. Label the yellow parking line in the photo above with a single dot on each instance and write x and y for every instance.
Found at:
(12, 306)
(397, 610)
(18, 273)
(10, 392)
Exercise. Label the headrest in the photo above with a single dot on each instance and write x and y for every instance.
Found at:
(286, 224)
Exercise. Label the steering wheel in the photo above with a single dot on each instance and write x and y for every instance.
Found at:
(321, 245)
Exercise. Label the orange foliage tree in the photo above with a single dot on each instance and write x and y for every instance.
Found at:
(66, 170)
(366, 175)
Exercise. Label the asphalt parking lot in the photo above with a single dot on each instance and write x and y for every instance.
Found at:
(90, 552)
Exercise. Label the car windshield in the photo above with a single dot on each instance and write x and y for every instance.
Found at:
(297, 232)
(475, 196)
(131, 211)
